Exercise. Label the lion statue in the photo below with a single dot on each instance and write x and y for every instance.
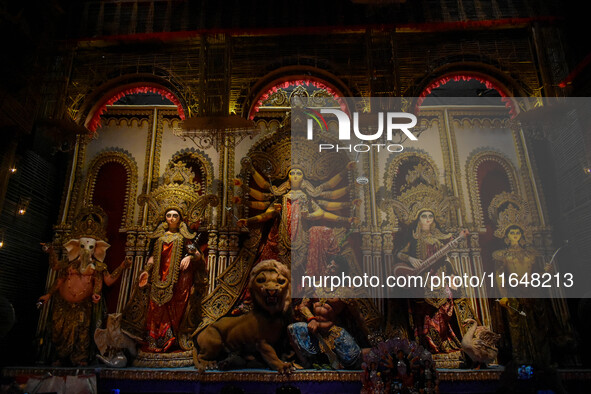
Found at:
(256, 331)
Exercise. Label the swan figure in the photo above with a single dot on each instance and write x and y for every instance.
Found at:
(479, 343)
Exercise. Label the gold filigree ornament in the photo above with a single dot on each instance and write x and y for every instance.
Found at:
(316, 166)
(276, 158)
(424, 197)
(422, 172)
(508, 209)
(91, 222)
(178, 192)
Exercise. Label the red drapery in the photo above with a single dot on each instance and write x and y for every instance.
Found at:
(163, 321)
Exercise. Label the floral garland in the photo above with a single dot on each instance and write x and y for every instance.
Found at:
(95, 122)
(467, 77)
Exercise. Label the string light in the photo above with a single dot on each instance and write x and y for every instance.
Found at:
(23, 204)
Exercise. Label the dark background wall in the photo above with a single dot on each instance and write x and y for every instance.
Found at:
(23, 266)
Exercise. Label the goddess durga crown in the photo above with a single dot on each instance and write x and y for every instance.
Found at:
(178, 192)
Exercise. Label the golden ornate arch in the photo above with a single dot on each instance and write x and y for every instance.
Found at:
(517, 96)
(206, 165)
(270, 85)
(126, 160)
(87, 108)
(473, 163)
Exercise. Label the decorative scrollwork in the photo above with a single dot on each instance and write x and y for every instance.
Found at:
(428, 169)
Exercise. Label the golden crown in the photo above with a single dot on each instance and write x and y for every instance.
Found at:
(177, 191)
(91, 222)
(275, 157)
(424, 197)
(508, 209)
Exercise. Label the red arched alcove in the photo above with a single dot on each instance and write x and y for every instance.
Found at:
(109, 193)
(492, 180)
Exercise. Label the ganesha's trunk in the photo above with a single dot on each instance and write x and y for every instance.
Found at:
(85, 259)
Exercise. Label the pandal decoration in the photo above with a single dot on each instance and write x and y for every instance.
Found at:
(95, 121)
(398, 365)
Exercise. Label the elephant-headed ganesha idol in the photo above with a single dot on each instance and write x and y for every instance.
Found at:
(78, 285)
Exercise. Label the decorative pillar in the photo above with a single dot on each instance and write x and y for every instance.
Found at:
(366, 245)
(482, 294)
(136, 247)
(377, 269)
(223, 254)
(212, 259)
(388, 249)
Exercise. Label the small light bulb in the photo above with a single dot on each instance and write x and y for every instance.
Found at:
(12, 170)
(1, 244)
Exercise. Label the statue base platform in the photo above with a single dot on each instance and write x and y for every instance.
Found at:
(164, 360)
(189, 380)
(451, 360)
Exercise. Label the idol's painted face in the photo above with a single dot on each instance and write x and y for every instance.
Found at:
(296, 176)
(173, 218)
(514, 236)
(426, 219)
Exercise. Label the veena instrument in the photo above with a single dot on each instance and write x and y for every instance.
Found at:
(404, 269)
